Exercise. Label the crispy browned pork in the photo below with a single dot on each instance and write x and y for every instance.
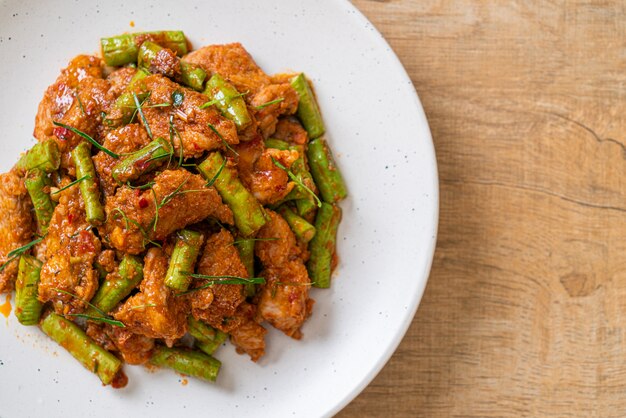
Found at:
(16, 225)
(68, 277)
(283, 299)
(217, 304)
(156, 311)
(178, 197)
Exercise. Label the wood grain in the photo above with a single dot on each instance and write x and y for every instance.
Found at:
(525, 311)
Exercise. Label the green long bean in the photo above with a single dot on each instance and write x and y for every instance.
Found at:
(123, 49)
(95, 358)
(89, 187)
(117, 285)
(191, 363)
(27, 306)
(183, 259)
(247, 211)
(322, 246)
(37, 185)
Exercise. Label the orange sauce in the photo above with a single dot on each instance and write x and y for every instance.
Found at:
(5, 308)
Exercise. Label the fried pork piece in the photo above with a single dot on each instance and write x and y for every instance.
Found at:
(167, 319)
(119, 79)
(277, 244)
(267, 182)
(290, 130)
(134, 348)
(283, 300)
(16, 224)
(106, 261)
(85, 114)
(183, 199)
(68, 277)
(234, 63)
(217, 304)
(249, 337)
(121, 141)
(285, 101)
(166, 63)
(60, 95)
(192, 123)
(77, 99)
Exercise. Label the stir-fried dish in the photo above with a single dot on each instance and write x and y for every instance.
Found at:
(171, 193)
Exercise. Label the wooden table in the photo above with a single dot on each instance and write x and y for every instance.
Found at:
(525, 311)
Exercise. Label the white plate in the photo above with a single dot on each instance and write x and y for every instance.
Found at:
(380, 136)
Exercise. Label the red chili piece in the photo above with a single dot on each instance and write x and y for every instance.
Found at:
(62, 133)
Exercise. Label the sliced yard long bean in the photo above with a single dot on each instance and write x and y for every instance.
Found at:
(245, 246)
(95, 358)
(228, 100)
(307, 207)
(303, 230)
(325, 172)
(44, 156)
(89, 187)
(277, 144)
(27, 306)
(142, 161)
(247, 211)
(125, 103)
(191, 363)
(37, 185)
(208, 339)
(192, 75)
(117, 286)
(123, 49)
(322, 246)
(308, 110)
(183, 259)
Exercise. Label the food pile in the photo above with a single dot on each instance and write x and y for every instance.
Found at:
(171, 193)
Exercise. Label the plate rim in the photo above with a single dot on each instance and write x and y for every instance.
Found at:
(376, 368)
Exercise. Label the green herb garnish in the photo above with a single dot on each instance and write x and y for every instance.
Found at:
(139, 227)
(241, 241)
(142, 187)
(141, 115)
(80, 104)
(264, 105)
(215, 101)
(219, 135)
(103, 318)
(209, 103)
(212, 280)
(88, 138)
(214, 178)
(297, 180)
(177, 98)
(106, 320)
(156, 213)
(16, 253)
(149, 305)
(85, 177)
